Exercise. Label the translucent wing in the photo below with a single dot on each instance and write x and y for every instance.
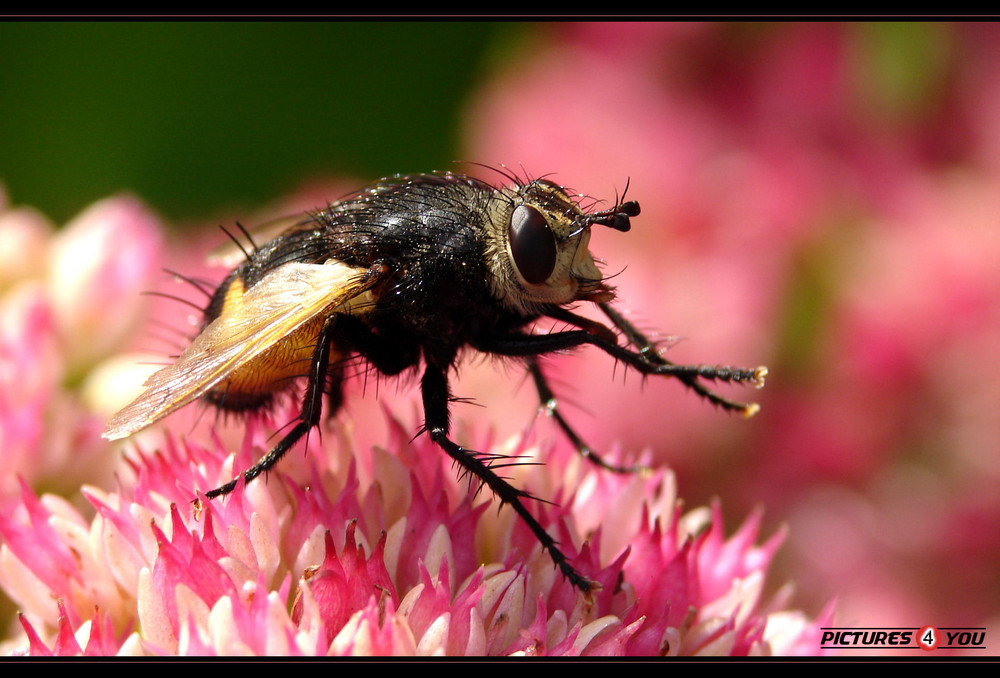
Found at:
(279, 304)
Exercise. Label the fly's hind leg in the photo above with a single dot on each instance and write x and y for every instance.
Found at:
(321, 379)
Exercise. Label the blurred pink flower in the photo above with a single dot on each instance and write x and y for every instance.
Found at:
(913, 333)
(384, 552)
(101, 260)
(68, 299)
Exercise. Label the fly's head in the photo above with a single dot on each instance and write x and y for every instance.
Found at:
(537, 246)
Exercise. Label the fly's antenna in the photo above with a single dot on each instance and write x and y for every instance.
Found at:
(616, 218)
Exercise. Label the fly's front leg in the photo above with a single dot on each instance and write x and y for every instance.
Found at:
(434, 389)
(646, 360)
(550, 404)
(648, 350)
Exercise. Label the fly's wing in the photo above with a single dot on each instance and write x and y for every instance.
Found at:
(279, 304)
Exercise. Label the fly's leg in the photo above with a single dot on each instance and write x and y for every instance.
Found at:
(312, 407)
(646, 360)
(689, 375)
(434, 389)
(550, 404)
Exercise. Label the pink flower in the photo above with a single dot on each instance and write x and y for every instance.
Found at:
(353, 549)
(101, 260)
(68, 299)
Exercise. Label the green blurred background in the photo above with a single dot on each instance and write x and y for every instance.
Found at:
(198, 117)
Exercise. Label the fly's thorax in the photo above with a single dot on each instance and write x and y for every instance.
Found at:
(536, 249)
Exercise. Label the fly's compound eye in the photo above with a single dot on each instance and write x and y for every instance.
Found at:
(532, 244)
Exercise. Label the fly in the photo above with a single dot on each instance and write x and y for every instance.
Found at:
(406, 275)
